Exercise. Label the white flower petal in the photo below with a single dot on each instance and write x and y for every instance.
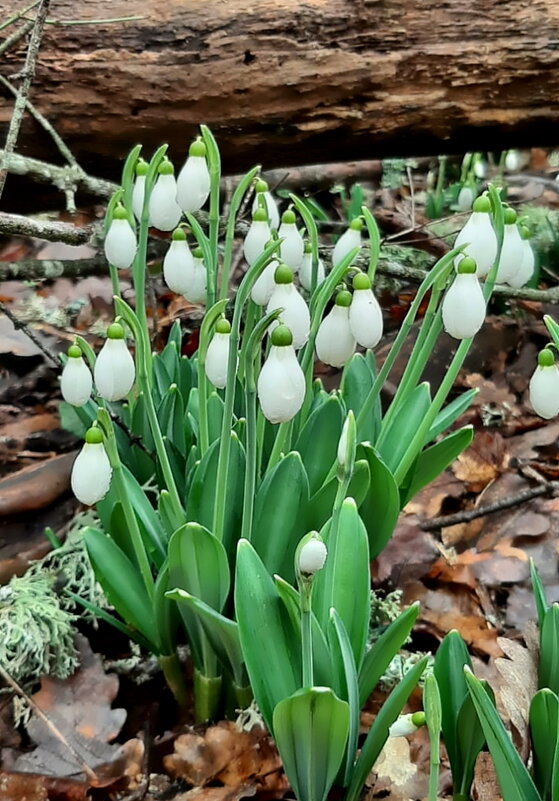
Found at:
(293, 247)
(164, 211)
(76, 381)
(544, 391)
(120, 244)
(281, 385)
(217, 359)
(258, 236)
(365, 318)
(465, 199)
(114, 370)
(138, 194)
(402, 726)
(511, 254)
(305, 272)
(197, 291)
(271, 208)
(482, 239)
(91, 474)
(312, 556)
(193, 184)
(335, 344)
(463, 307)
(178, 267)
(295, 314)
(526, 268)
(349, 240)
(264, 285)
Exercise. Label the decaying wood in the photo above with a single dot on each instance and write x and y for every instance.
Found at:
(294, 81)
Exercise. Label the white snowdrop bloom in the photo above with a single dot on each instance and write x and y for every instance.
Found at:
(293, 245)
(463, 306)
(193, 183)
(478, 232)
(114, 371)
(164, 211)
(264, 285)
(349, 240)
(178, 264)
(347, 438)
(465, 198)
(512, 251)
(544, 386)
(311, 556)
(480, 168)
(512, 161)
(527, 261)
(281, 382)
(197, 291)
(295, 314)
(76, 381)
(258, 236)
(305, 270)
(139, 190)
(407, 724)
(91, 471)
(335, 344)
(365, 314)
(120, 242)
(217, 356)
(261, 190)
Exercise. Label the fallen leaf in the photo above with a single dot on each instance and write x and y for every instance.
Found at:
(31, 787)
(396, 773)
(36, 486)
(519, 684)
(409, 554)
(486, 786)
(481, 463)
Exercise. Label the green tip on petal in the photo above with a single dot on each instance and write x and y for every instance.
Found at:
(179, 235)
(260, 186)
(467, 266)
(223, 326)
(308, 247)
(197, 148)
(361, 281)
(510, 216)
(281, 336)
(74, 352)
(283, 274)
(119, 212)
(142, 167)
(482, 204)
(418, 718)
(288, 217)
(198, 253)
(356, 224)
(525, 232)
(166, 167)
(115, 331)
(546, 358)
(260, 215)
(343, 298)
(94, 436)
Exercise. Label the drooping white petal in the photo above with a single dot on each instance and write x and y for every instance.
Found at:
(264, 285)
(281, 385)
(482, 247)
(193, 184)
(258, 236)
(335, 343)
(164, 211)
(305, 272)
(217, 359)
(465, 198)
(91, 474)
(365, 318)
(403, 726)
(526, 268)
(197, 291)
(114, 370)
(312, 557)
(138, 194)
(544, 391)
(292, 247)
(295, 314)
(178, 267)
(349, 240)
(463, 307)
(271, 208)
(76, 381)
(511, 254)
(120, 244)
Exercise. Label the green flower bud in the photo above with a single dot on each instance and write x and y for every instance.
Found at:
(467, 266)
(525, 232)
(281, 336)
(166, 167)
(482, 204)
(74, 352)
(308, 247)
(223, 326)
(94, 436)
(115, 331)
(283, 274)
(510, 216)
(356, 224)
(361, 281)
(119, 212)
(343, 298)
(198, 253)
(260, 215)
(142, 167)
(197, 148)
(288, 217)
(260, 186)
(179, 235)
(546, 358)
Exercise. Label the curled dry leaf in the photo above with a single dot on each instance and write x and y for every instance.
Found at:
(519, 682)
(485, 460)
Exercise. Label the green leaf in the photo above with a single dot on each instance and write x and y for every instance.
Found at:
(451, 412)
(310, 729)
(514, 780)
(165, 612)
(162, 379)
(346, 687)
(357, 380)
(171, 419)
(319, 508)
(433, 713)
(102, 614)
(540, 597)
(215, 416)
(381, 507)
(170, 357)
(471, 740)
(270, 645)
(548, 674)
(318, 441)
(450, 659)
(395, 441)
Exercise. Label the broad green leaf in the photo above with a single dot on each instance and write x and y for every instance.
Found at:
(162, 379)
(165, 612)
(451, 412)
(548, 674)
(318, 441)
(544, 733)
(310, 729)
(470, 739)
(394, 442)
(170, 358)
(450, 659)
(171, 419)
(175, 335)
(319, 508)
(381, 506)
(433, 713)
(140, 426)
(357, 380)
(215, 416)
(185, 378)
(102, 614)
(346, 687)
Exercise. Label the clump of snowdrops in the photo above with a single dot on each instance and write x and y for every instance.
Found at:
(267, 496)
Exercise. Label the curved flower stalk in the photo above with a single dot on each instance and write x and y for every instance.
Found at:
(544, 386)
(193, 182)
(479, 237)
(293, 246)
(91, 471)
(76, 381)
(258, 236)
(463, 307)
(197, 292)
(335, 343)
(305, 270)
(365, 314)
(281, 382)
(527, 261)
(350, 239)
(512, 251)
(120, 243)
(261, 191)
(114, 371)
(164, 211)
(294, 311)
(139, 190)
(178, 264)
(217, 356)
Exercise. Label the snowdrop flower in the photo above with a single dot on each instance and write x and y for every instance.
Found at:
(193, 183)
(478, 232)
(349, 240)
(197, 291)
(264, 285)
(512, 251)
(120, 242)
(335, 344)
(178, 264)
(293, 246)
(261, 190)
(480, 167)
(463, 306)
(407, 724)
(311, 555)
(91, 471)
(365, 315)
(295, 314)
(139, 191)
(305, 270)
(527, 261)
(164, 211)
(347, 443)
(281, 382)
(544, 386)
(76, 381)
(258, 236)
(465, 198)
(217, 356)
(512, 160)
(114, 371)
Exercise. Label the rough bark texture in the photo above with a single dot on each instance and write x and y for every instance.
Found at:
(295, 81)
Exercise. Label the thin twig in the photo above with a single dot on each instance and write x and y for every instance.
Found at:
(17, 323)
(105, 21)
(16, 36)
(27, 78)
(57, 175)
(19, 15)
(17, 225)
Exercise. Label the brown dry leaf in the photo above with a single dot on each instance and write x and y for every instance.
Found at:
(504, 565)
(519, 684)
(428, 503)
(16, 342)
(485, 460)
(33, 787)
(409, 554)
(486, 786)
(36, 486)
(396, 773)
(80, 709)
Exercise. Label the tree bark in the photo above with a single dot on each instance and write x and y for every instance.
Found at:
(287, 82)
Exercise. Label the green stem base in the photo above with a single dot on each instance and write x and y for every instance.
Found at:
(207, 696)
(174, 676)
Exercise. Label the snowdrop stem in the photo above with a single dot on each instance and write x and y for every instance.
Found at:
(281, 442)
(305, 588)
(553, 329)
(214, 167)
(234, 207)
(499, 225)
(312, 230)
(206, 332)
(87, 351)
(251, 318)
(374, 242)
